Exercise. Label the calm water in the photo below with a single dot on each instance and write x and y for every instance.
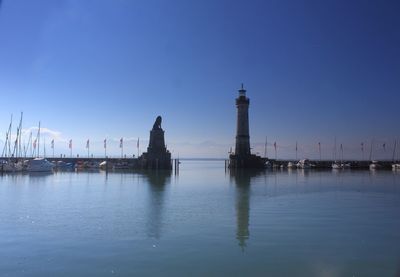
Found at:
(204, 222)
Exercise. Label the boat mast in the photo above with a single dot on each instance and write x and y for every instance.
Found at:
(30, 143)
(9, 136)
(341, 150)
(265, 147)
(15, 149)
(370, 152)
(17, 144)
(44, 148)
(394, 150)
(334, 151)
(20, 135)
(6, 150)
(38, 141)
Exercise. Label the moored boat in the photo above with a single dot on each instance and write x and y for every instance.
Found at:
(40, 165)
(304, 164)
(290, 165)
(12, 166)
(336, 165)
(121, 165)
(103, 165)
(374, 165)
(61, 165)
(92, 165)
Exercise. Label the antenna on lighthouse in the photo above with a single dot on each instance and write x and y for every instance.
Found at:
(242, 91)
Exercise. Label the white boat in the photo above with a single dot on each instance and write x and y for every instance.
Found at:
(396, 166)
(336, 165)
(40, 165)
(374, 165)
(103, 165)
(347, 165)
(290, 165)
(303, 164)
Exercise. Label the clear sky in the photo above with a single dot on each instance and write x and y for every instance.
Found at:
(313, 70)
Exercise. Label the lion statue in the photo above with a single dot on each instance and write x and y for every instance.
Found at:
(157, 123)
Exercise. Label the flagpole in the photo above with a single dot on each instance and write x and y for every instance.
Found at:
(70, 148)
(105, 148)
(138, 148)
(362, 150)
(319, 149)
(121, 145)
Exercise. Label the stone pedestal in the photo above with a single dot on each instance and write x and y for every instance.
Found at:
(157, 142)
(157, 155)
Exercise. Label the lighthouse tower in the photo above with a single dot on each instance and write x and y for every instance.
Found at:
(242, 158)
(242, 128)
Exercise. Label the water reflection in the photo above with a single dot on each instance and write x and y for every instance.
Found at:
(242, 180)
(157, 181)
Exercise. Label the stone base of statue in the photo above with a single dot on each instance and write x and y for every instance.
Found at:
(246, 161)
(157, 155)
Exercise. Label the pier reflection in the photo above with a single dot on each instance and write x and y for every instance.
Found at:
(158, 182)
(242, 180)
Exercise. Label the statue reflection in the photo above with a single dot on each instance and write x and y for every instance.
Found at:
(242, 180)
(157, 184)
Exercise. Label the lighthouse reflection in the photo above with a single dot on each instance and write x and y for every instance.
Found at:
(242, 180)
(158, 183)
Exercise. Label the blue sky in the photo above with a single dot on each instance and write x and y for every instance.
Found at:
(105, 69)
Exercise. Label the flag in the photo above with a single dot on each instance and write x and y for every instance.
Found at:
(319, 145)
(362, 146)
(384, 146)
(105, 143)
(34, 144)
(70, 144)
(52, 144)
(341, 146)
(275, 144)
(87, 143)
(121, 141)
(137, 145)
(296, 145)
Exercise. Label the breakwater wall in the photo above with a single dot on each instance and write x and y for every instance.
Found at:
(326, 164)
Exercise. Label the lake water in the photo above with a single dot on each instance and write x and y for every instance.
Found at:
(204, 222)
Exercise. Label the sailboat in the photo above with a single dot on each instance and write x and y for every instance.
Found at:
(395, 166)
(40, 164)
(374, 164)
(336, 164)
(13, 164)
